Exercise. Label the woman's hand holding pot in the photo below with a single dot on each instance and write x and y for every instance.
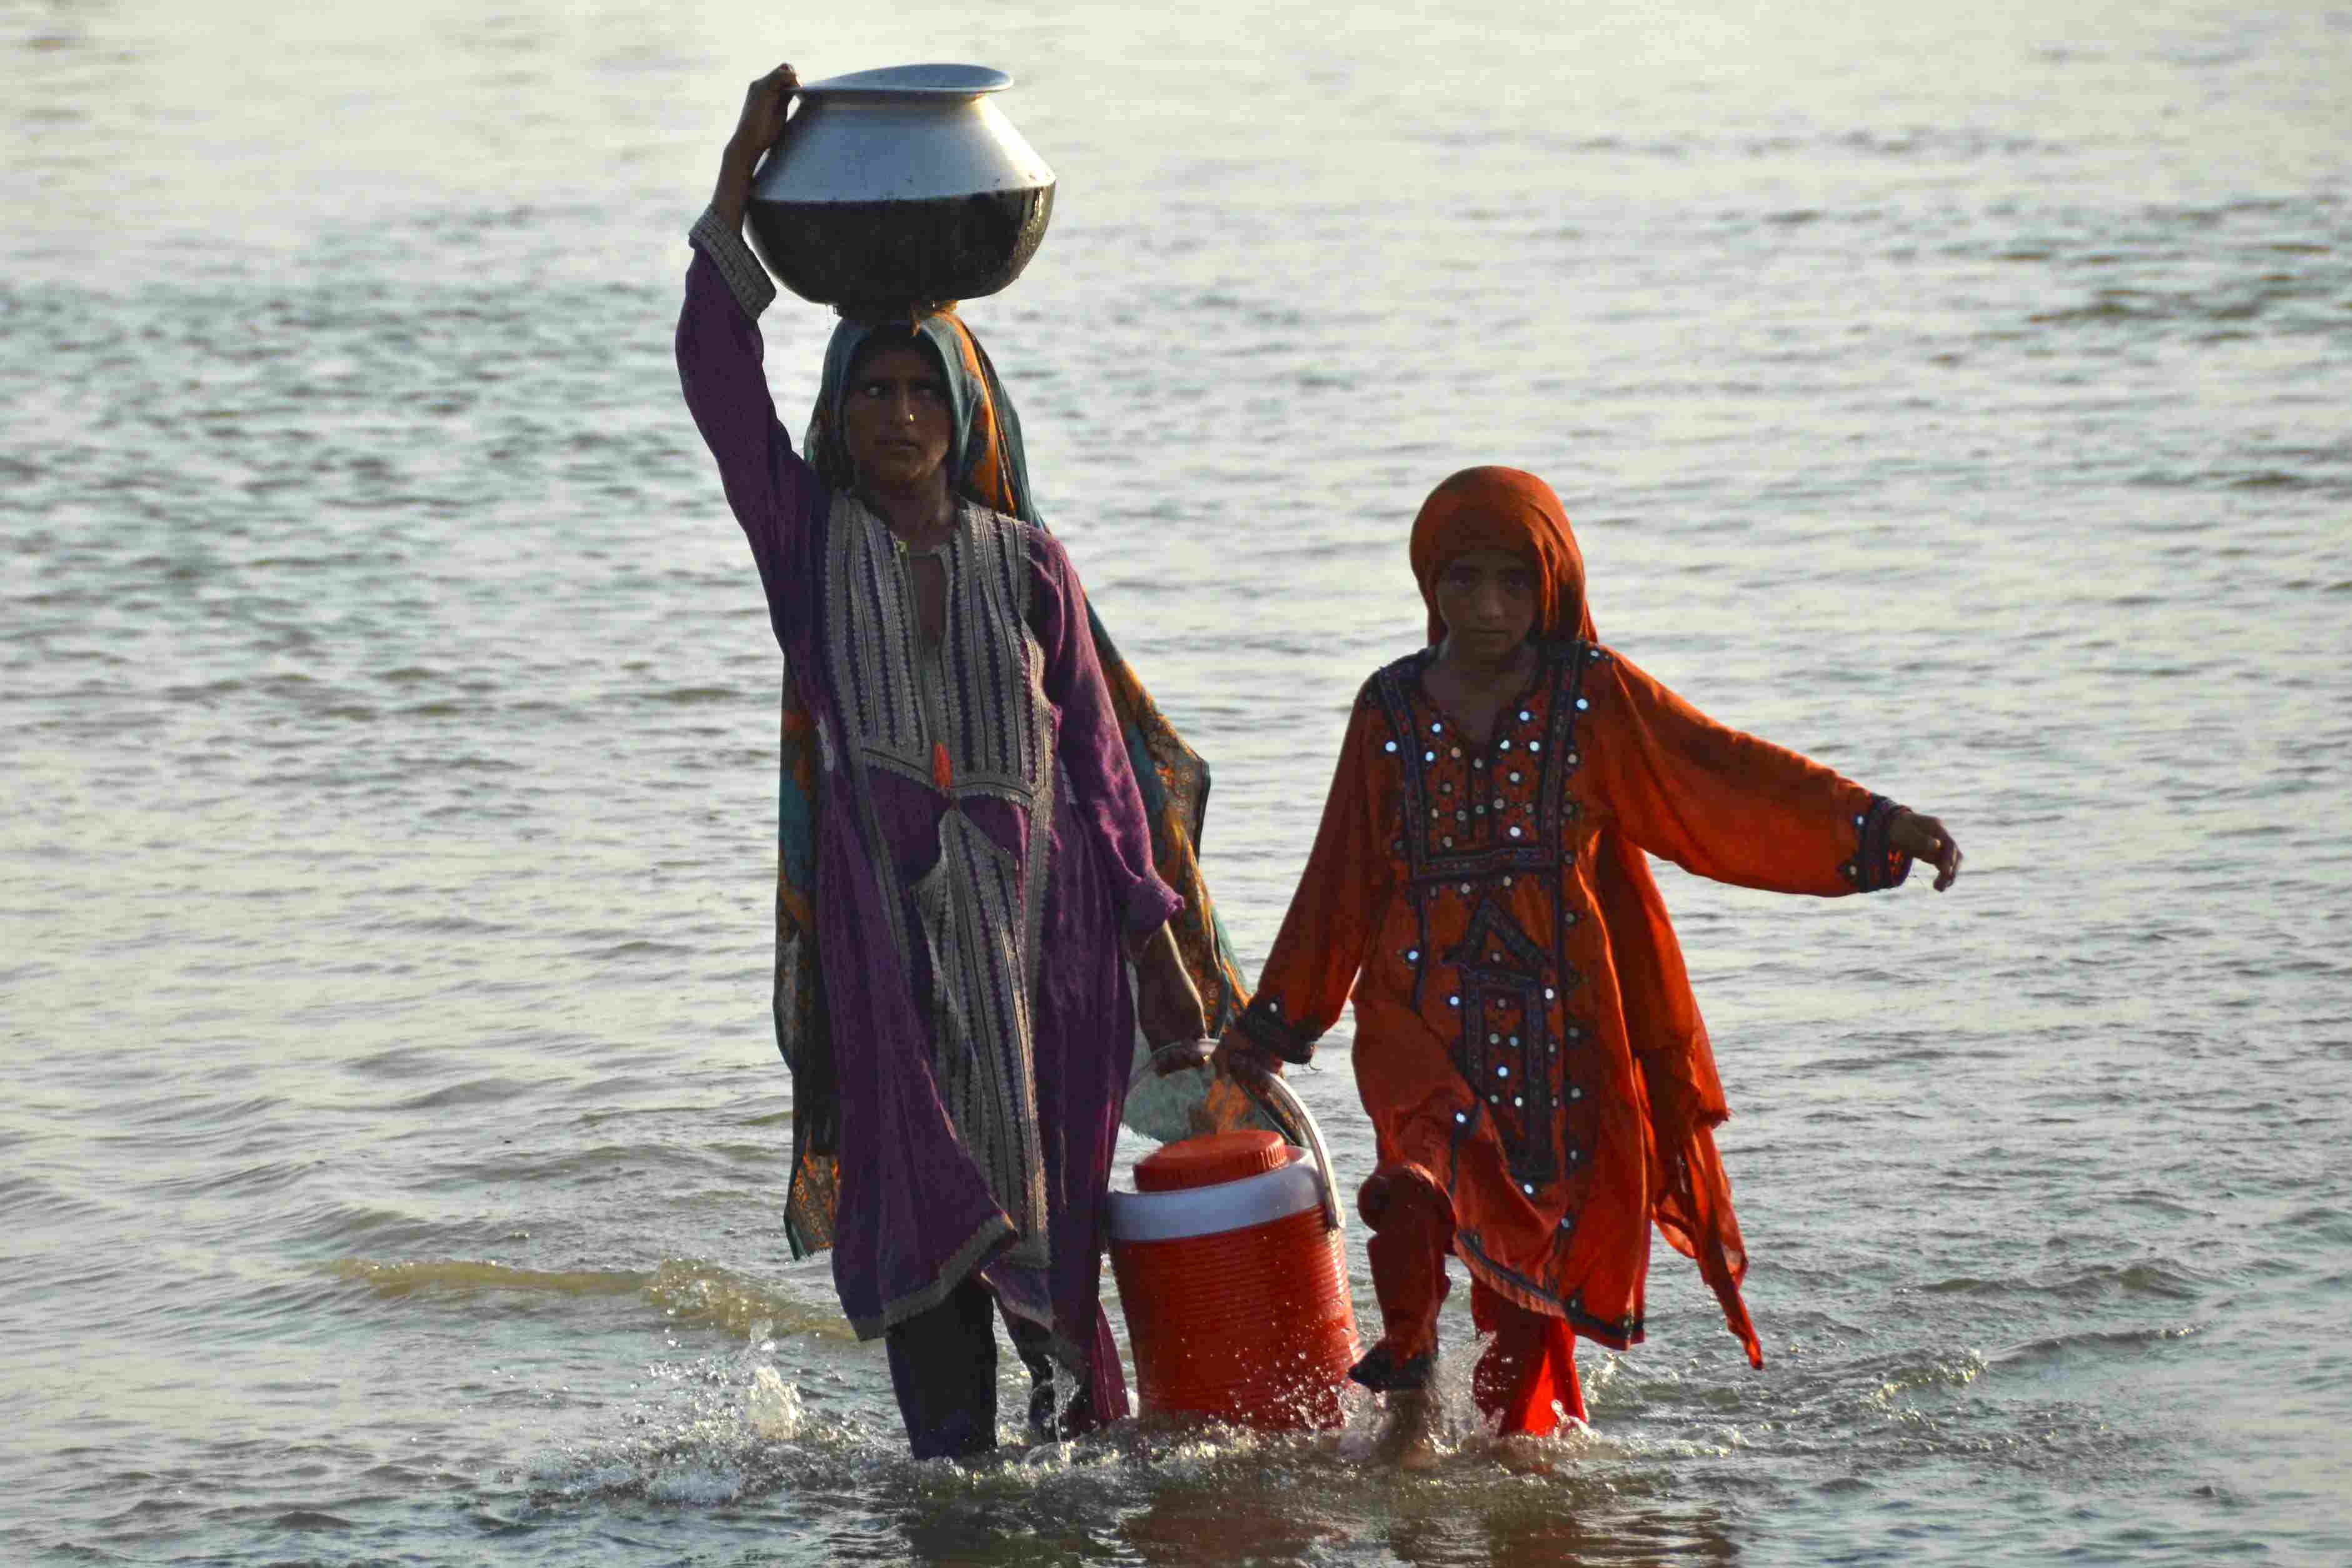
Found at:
(761, 124)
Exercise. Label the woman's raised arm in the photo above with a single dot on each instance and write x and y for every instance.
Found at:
(760, 127)
(775, 494)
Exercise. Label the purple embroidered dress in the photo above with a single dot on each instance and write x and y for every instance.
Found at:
(982, 847)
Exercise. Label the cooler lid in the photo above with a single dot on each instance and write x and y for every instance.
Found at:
(1210, 1159)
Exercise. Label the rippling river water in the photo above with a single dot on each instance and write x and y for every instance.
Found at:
(393, 1141)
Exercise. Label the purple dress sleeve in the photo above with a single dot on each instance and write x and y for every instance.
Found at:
(775, 495)
(1104, 798)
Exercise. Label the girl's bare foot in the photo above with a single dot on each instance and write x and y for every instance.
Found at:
(1523, 1456)
(1409, 1439)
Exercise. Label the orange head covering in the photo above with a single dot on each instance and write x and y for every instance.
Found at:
(1504, 509)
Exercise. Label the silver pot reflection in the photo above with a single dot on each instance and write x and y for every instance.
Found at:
(892, 190)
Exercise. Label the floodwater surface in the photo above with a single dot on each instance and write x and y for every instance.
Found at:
(394, 1142)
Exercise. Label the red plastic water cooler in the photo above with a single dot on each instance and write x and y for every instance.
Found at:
(1233, 1274)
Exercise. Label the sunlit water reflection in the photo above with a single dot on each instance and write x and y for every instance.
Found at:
(386, 708)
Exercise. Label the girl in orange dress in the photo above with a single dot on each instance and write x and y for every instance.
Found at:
(1538, 1080)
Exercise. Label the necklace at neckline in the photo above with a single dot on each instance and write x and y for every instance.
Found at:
(937, 547)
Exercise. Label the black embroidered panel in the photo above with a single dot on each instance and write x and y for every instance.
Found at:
(1450, 835)
(1472, 821)
(1507, 1052)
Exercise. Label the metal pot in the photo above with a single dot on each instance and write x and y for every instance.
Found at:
(898, 189)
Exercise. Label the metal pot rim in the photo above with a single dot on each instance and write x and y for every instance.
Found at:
(936, 79)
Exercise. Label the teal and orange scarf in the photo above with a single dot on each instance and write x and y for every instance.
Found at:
(988, 467)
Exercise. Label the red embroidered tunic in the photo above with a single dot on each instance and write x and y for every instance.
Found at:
(1452, 887)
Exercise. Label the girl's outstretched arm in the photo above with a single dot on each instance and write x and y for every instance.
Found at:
(1721, 803)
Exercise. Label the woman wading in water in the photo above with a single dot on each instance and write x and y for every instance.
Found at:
(1526, 1044)
(967, 857)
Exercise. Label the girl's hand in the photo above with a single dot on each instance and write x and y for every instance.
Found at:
(1926, 839)
(761, 124)
(1236, 1055)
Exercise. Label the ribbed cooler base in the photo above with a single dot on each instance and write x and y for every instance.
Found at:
(1253, 1326)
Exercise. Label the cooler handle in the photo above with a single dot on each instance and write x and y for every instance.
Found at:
(1283, 1107)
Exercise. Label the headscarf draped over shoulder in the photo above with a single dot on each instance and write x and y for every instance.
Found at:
(1503, 508)
(987, 465)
